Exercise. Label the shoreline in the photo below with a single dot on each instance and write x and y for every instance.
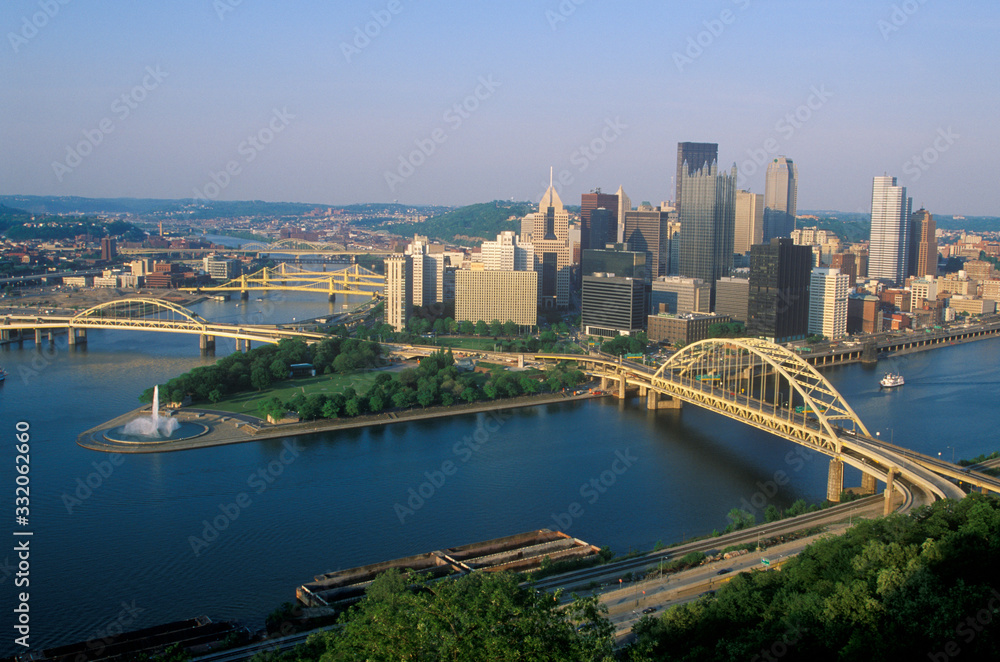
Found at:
(226, 428)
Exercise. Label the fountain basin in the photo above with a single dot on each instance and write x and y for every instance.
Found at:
(185, 430)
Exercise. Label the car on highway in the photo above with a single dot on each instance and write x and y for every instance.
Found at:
(649, 610)
(724, 571)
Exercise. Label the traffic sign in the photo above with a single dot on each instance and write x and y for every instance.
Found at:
(765, 561)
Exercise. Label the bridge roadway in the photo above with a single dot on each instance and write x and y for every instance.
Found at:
(877, 460)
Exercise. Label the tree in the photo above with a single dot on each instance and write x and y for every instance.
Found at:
(466, 328)
(509, 328)
(481, 328)
(496, 328)
(438, 326)
(214, 395)
(260, 378)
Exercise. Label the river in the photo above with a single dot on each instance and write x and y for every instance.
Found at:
(112, 532)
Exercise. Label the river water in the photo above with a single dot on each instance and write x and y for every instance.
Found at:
(140, 531)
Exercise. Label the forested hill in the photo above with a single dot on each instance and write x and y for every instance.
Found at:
(471, 224)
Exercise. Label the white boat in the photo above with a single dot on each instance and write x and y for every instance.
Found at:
(892, 379)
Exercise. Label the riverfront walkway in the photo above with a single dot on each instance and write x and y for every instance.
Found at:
(227, 428)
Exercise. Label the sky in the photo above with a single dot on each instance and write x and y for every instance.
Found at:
(435, 102)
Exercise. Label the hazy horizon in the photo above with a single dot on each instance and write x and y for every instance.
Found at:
(236, 100)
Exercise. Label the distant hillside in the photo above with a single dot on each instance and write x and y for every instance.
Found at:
(468, 225)
(855, 226)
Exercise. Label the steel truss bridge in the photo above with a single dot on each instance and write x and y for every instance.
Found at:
(147, 314)
(352, 280)
(773, 389)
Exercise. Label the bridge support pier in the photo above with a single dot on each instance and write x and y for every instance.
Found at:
(621, 387)
(655, 400)
(333, 298)
(888, 493)
(605, 383)
(38, 337)
(835, 481)
(245, 295)
(868, 483)
(206, 342)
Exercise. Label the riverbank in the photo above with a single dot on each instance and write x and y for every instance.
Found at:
(227, 428)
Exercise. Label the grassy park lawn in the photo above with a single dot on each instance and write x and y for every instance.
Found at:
(247, 402)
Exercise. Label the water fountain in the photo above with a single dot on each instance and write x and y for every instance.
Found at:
(155, 428)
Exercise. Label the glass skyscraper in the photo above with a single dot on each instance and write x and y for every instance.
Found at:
(781, 189)
(708, 222)
(889, 247)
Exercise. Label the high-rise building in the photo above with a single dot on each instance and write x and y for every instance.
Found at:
(108, 249)
(779, 290)
(864, 314)
(615, 261)
(398, 290)
(923, 244)
(496, 295)
(612, 305)
(848, 264)
(828, 290)
(888, 248)
(780, 198)
(673, 244)
(732, 297)
(692, 158)
(707, 215)
(646, 232)
(678, 295)
(549, 235)
(749, 221)
(428, 265)
(624, 205)
(507, 254)
(588, 203)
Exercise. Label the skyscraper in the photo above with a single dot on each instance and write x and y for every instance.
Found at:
(398, 290)
(828, 303)
(549, 234)
(624, 205)
(692, 158)
(588, 203)
(707, 215)
(888, 249)
(923, 244)
(780, 198)
(778, 307)
(507, 254)
(749, 221)
(646, 232)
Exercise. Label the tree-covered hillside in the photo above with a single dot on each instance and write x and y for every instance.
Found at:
(471, 224)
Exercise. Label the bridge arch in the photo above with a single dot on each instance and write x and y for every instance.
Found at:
(138, 308)
(707, 360)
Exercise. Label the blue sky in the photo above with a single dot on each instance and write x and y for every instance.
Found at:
(285, 101)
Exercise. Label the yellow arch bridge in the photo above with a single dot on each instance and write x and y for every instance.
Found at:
(147, 314)
(773, 389)
(352, 280)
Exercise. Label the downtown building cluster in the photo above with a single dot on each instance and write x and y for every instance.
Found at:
(714, 255)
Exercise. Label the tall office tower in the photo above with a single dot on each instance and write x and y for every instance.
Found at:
(624, 205)
(507, 254)
(553, 251)
(646, 232)
(673, 244)
(732, 297)
(923, 244)
(496, 295)
(848, 264)
(780, 198)
(428, 268)
(108, 249)
(588, 203)
(603, 229)
(614, 261)
(708, 224)
(778, 306)
(612, 305)
(888, 249)
(828, 303)
(398, 290)
(749, 221)
(692, 158)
